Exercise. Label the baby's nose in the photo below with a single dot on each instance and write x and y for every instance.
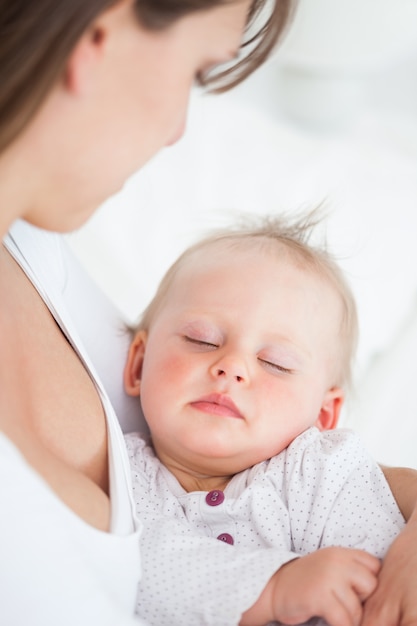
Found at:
(222, 372)
(231, 367)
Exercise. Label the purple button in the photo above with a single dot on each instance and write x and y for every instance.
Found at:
(214, 498)
(226, 538)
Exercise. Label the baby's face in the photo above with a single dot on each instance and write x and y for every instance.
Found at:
(239, 360)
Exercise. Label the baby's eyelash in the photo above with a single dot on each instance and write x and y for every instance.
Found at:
(280, 368)
(199, 342)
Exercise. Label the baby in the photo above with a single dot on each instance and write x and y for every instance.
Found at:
(241, 361)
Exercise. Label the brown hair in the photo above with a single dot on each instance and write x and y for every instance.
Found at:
(286, 237)
(37, 36)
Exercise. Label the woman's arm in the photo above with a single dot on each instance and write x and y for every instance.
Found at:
(403, 484)
(395, 601)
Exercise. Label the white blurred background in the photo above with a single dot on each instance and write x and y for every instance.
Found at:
(332, 116)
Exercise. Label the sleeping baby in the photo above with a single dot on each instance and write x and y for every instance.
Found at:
(241, 362)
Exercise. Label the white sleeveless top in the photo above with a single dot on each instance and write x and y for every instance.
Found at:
(55, 568)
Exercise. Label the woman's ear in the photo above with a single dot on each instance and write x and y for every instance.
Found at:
(92, 47)
(84, 59)
(330, 409)
(133, 369)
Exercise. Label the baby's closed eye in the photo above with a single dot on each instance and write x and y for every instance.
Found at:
(275, 366)
(200, 342)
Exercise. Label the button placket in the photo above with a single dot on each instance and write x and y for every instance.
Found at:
(215, 498)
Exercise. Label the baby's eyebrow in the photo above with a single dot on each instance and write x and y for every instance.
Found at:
(199, 325)
(282, 345)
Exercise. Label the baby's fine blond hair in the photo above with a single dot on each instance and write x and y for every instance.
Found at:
(288, 238)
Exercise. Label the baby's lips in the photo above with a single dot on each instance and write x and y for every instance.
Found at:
(219, 404)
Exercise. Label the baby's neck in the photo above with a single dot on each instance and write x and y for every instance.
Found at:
(194, 481)
(191, 476)
(201, 483)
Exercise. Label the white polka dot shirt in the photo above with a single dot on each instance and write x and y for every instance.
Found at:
(206, 557)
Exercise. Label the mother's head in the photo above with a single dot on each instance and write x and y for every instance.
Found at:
(92, 89)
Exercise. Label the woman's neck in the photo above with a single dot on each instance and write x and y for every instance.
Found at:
(15, 188)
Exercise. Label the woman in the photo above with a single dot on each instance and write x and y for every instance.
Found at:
(89, 92)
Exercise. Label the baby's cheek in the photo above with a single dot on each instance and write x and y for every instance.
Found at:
(164, 385)
(165, 372)
(284, 407)
(173, 365)
(273, 393)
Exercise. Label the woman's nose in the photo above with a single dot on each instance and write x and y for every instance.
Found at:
(230, 368)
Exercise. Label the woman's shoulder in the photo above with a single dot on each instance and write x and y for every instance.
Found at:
(39, 253)
(87, 316)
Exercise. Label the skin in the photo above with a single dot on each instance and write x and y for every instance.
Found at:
(395, 580)
(331, 583)
(225, 365)
(229, 374)
(122, 97)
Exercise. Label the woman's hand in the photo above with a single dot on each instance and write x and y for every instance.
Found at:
(331, 583)
(394, 602)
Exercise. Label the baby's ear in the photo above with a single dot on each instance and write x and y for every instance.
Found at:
(133, 369)
(330, 409)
